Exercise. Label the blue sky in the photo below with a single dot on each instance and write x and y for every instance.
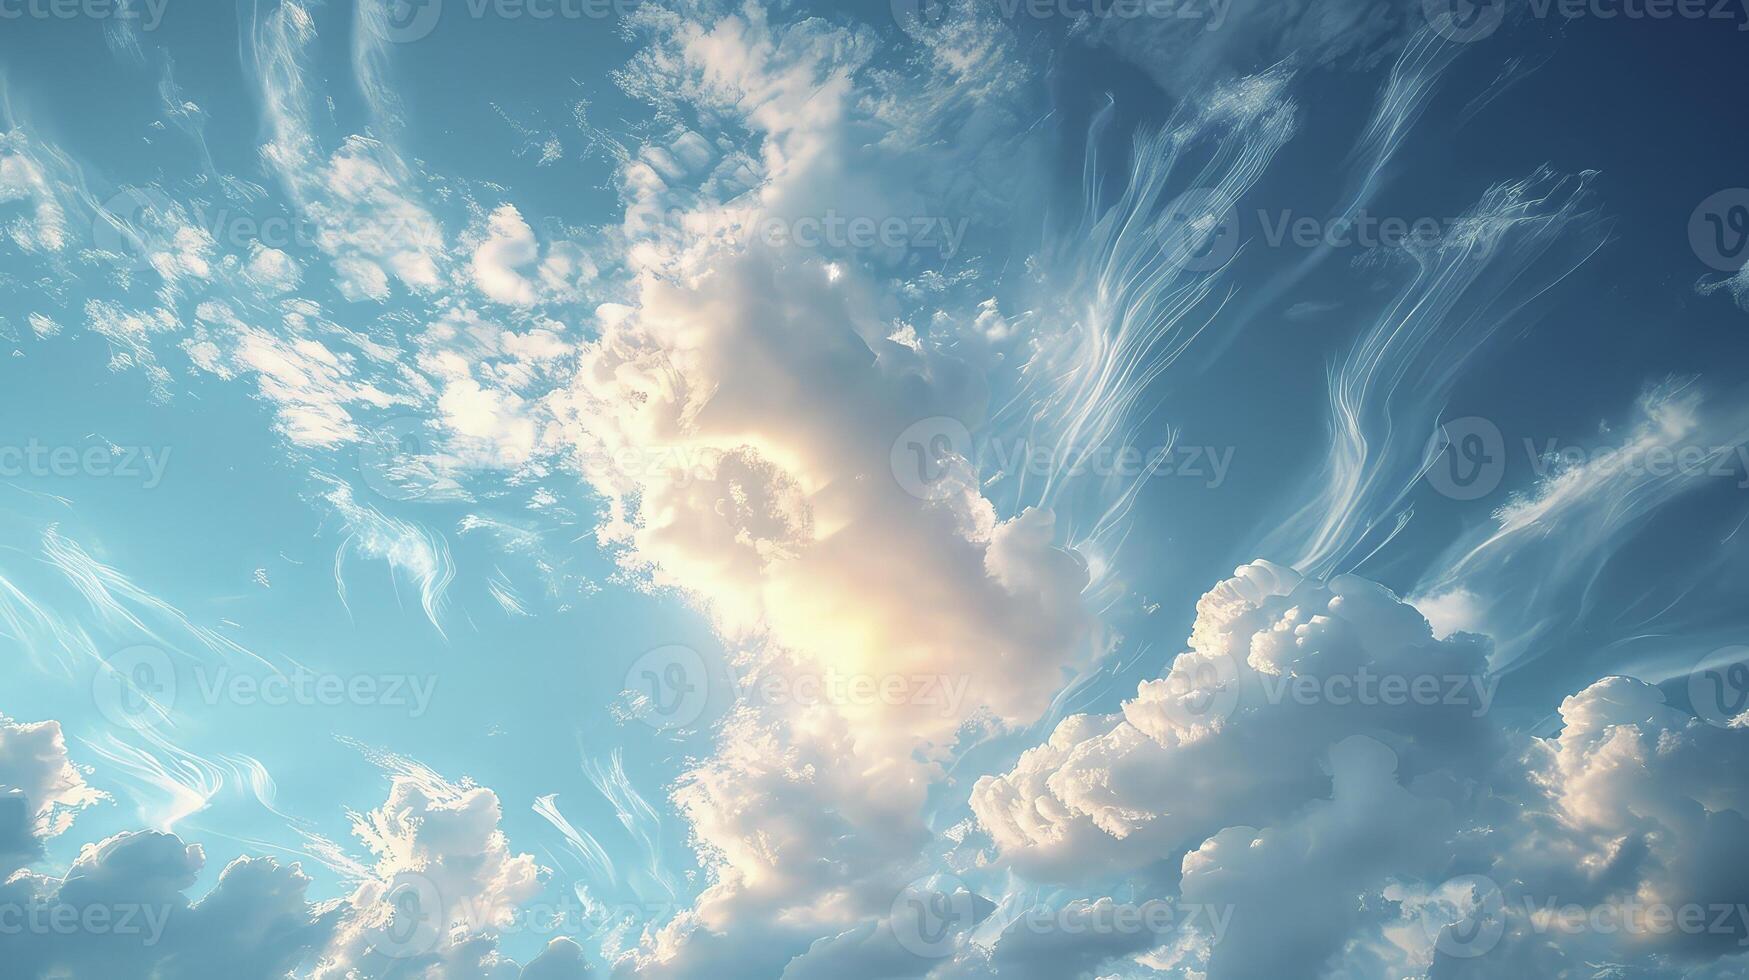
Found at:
(654, 489)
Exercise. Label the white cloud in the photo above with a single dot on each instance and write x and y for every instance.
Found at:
(509, 246)
(40, 790)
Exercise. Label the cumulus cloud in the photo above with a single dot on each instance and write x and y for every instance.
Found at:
(1342, 808)
(120, 911)
(442, 883)
(40, 790)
